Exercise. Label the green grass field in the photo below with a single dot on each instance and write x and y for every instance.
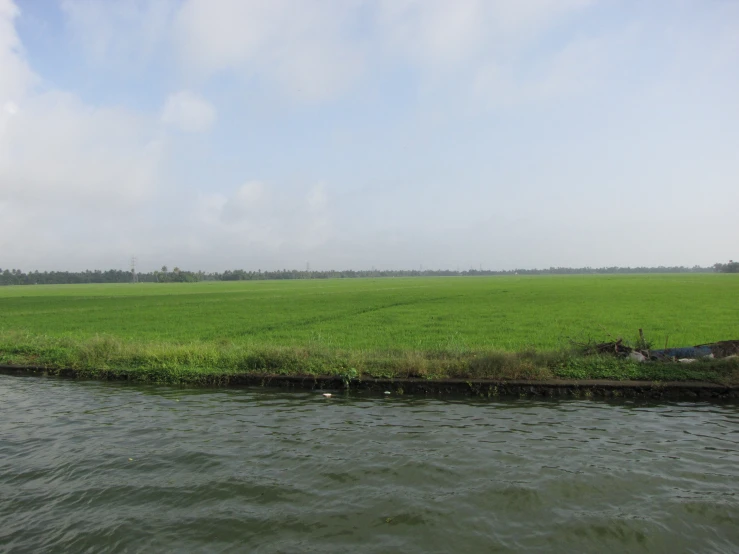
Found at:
(424, 326)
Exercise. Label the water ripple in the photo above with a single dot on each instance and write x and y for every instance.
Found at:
(99, 467)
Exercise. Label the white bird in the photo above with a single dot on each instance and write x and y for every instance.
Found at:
(327, 394)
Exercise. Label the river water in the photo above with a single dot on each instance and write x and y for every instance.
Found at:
(105, 467)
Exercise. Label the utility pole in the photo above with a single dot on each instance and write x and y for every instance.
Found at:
(134, 277)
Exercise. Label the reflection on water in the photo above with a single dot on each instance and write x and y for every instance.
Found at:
(110, 467)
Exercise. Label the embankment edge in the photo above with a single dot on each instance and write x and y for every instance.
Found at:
(687, 390)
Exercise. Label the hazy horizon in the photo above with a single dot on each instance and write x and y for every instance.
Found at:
(217, 134)
(310, 269)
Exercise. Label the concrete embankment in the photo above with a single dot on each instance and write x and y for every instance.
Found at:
(675, 390)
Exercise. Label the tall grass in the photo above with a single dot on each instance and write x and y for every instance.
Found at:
(110, 357)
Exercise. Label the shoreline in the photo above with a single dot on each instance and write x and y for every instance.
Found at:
(486, 388)
(210, 363)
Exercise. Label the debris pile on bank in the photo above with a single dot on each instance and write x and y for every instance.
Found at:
(687, 354)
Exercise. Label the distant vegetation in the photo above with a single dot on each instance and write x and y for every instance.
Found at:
(731, 267)
(502, 327)
(176, 275)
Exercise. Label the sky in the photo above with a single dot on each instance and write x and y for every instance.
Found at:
(351, 134)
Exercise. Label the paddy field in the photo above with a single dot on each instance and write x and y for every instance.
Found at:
(498, 327)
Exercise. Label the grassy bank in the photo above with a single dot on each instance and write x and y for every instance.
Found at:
(492, 327)
(205, 363)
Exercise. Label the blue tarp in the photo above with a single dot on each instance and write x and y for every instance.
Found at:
(686, 352)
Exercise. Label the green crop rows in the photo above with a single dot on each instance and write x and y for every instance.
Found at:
(357, 322)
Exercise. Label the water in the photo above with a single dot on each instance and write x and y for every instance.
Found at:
(96, 467)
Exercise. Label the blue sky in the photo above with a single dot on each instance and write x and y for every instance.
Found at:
(215, 134)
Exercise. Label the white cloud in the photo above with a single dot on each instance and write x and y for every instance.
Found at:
(264, 217)
(189, 112)
(92, 176)
(125, 31)
(468, 54)
(439, 34)
(15, 76)
(245, 206)
(314, 51)
(301, 47)
(570, 72)
(433, 31)
(59, 149)
(309, 51)
(66, 164)
(54, 148)
(580, 122)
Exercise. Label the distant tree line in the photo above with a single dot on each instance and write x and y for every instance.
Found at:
(731, 267)
(177, 275)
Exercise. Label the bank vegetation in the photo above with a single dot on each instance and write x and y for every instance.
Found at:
(106, 357)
